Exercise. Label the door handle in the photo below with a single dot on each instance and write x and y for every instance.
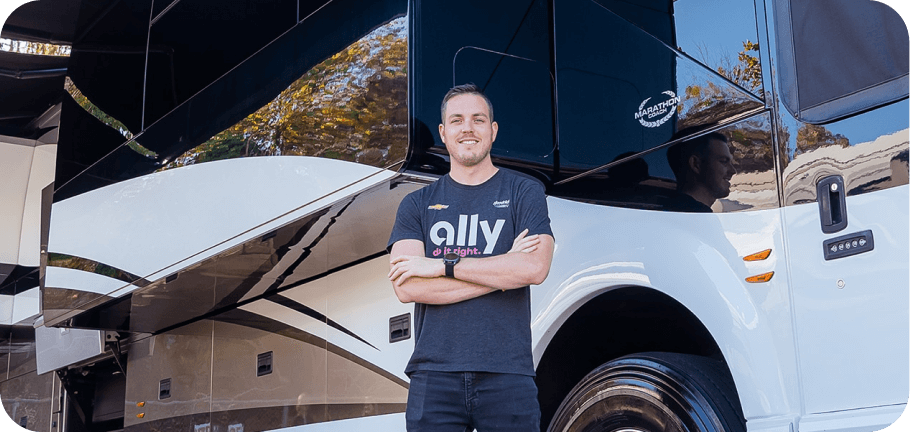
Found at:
(832, 203)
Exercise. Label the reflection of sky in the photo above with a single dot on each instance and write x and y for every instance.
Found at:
(714, 28)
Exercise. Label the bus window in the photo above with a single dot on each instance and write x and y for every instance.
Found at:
(525, 132)
(506, 51)
(352, 106)
(833, 65)
(724, 171)
(742, 178)
(621, 89)
(721, 35)
(345, 98)
(186, 54)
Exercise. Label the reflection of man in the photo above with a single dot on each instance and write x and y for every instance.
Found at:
(703, 167)
(453, 254)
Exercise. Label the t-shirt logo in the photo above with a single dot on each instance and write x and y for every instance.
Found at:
(501, 204)
(466, 235)
(437, 207)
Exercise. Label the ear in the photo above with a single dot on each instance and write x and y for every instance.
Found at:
(442, 133)
(694, 164)
(495, 131)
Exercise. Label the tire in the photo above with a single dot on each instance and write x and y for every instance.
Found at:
(653, 392)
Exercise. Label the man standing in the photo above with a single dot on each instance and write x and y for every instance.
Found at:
(465, 249)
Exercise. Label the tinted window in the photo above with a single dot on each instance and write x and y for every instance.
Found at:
(869, 150)
(352, 106)
(505, 50)
(159, 6)
(839, 57)
(721, 35)
(107, 61)
(197, 41)
(326, 89)
(622, 90)
(732, 174)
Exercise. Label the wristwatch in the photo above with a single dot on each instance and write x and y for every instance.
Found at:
(450, 259)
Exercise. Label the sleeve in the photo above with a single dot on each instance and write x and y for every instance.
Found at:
(532, 209)
(407, 221)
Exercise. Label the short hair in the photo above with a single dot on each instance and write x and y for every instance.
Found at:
(469, 88)
(678, 154)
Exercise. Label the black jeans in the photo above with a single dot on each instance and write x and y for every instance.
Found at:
(464, 401)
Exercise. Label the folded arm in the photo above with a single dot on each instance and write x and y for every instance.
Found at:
(420, 279)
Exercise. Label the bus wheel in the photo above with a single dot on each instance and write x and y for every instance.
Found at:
(651, 392)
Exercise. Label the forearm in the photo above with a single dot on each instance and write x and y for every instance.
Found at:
(506, 271)
(438, 290)
(524, 265)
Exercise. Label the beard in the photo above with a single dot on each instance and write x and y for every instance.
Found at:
(470, 159)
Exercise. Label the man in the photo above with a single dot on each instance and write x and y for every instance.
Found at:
(703, 167)
(453, 254)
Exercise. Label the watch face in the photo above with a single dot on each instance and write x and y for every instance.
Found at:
(451, 257)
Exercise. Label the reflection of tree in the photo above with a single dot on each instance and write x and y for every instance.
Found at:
(706, 106)
(810, 137)
(352, 106)
(750, 144)
(93, 109)
(34, 48)
(103, 117)
(747, 71)
(708, 102)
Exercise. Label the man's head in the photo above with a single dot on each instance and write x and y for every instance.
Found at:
(703, 167)
(467, 127)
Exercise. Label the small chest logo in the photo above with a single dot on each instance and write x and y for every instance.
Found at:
(437, 207)
(501, 204)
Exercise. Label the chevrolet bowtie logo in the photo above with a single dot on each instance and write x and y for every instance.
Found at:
(437, 207)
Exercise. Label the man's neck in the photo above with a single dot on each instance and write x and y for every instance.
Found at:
(473, 175)
(699, 194)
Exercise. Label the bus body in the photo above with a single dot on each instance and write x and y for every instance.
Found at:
(228, 173)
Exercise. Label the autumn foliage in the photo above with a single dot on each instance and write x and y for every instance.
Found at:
(352, 106)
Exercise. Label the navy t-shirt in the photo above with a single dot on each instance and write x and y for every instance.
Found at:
(490, 333)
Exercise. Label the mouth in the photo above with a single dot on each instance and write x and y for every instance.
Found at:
(469, 141)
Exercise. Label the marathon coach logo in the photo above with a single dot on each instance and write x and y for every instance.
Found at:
(466, 234)
(647, 113)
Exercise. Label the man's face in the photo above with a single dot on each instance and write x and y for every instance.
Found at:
(717, 169)
(467, 130)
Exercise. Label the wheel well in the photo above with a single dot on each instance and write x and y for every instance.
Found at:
(618, 322)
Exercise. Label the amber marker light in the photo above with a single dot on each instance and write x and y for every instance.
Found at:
(140, 404)
(140, 415)
(759, 256)
(764, 277)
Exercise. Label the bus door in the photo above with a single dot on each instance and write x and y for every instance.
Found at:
(845, 196)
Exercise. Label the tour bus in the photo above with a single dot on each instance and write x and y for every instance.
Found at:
(227, 175)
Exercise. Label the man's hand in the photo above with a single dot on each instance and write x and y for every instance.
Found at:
(406, 266)
(525, 244)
